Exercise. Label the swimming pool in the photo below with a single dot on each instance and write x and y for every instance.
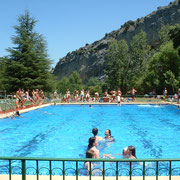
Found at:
(62, 131)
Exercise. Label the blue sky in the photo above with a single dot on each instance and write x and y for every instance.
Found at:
(68, 25)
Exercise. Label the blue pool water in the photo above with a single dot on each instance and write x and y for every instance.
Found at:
(62, 131)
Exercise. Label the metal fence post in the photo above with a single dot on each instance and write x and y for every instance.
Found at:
(50, 170)
(23, 169)
(90, 170)
(77, 172)
(117, 172)
(9, 169)
(64, 170)
(37, 169)
(170, 170)
(144, 170)
(104, 170)
(157, 170)
(130, 170)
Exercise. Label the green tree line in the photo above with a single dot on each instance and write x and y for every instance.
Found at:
(136, 64)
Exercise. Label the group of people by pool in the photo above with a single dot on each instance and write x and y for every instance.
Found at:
(82, 96)
(93, 151)
(175, 97)
(23, 96)
(114, 96)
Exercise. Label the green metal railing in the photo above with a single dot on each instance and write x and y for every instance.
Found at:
(132, 167)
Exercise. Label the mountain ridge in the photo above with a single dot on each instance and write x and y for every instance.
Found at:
(89, 60)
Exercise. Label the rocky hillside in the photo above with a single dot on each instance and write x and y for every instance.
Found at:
(89, 60)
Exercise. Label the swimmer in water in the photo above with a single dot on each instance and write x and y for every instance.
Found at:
(16, 114)
(132, 152)
(108, 135)
(89, 154)
(92, 146)
(98, 138)
(47, 112)
(128, 152)
(125, 152)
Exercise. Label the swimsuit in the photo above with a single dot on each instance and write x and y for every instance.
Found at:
(118, 98)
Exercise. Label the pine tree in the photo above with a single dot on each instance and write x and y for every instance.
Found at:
(28, 65)
(2, 70)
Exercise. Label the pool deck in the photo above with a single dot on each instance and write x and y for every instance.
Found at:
(9, 114)
(43, 177)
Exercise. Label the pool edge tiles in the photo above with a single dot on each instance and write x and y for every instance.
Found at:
(6, 115)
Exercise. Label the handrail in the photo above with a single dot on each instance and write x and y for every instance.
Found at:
(87, 159)
(119, 168)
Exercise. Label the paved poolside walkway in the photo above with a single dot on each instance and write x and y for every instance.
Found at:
(9, 114)
(41, 177)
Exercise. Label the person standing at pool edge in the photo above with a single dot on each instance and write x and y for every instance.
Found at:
(118, 95)
(165, 92)
(68, 95)
(179, 96)
(82, 95)
(87, 95)
(133, 91)
(55, 94)
(76, 95)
